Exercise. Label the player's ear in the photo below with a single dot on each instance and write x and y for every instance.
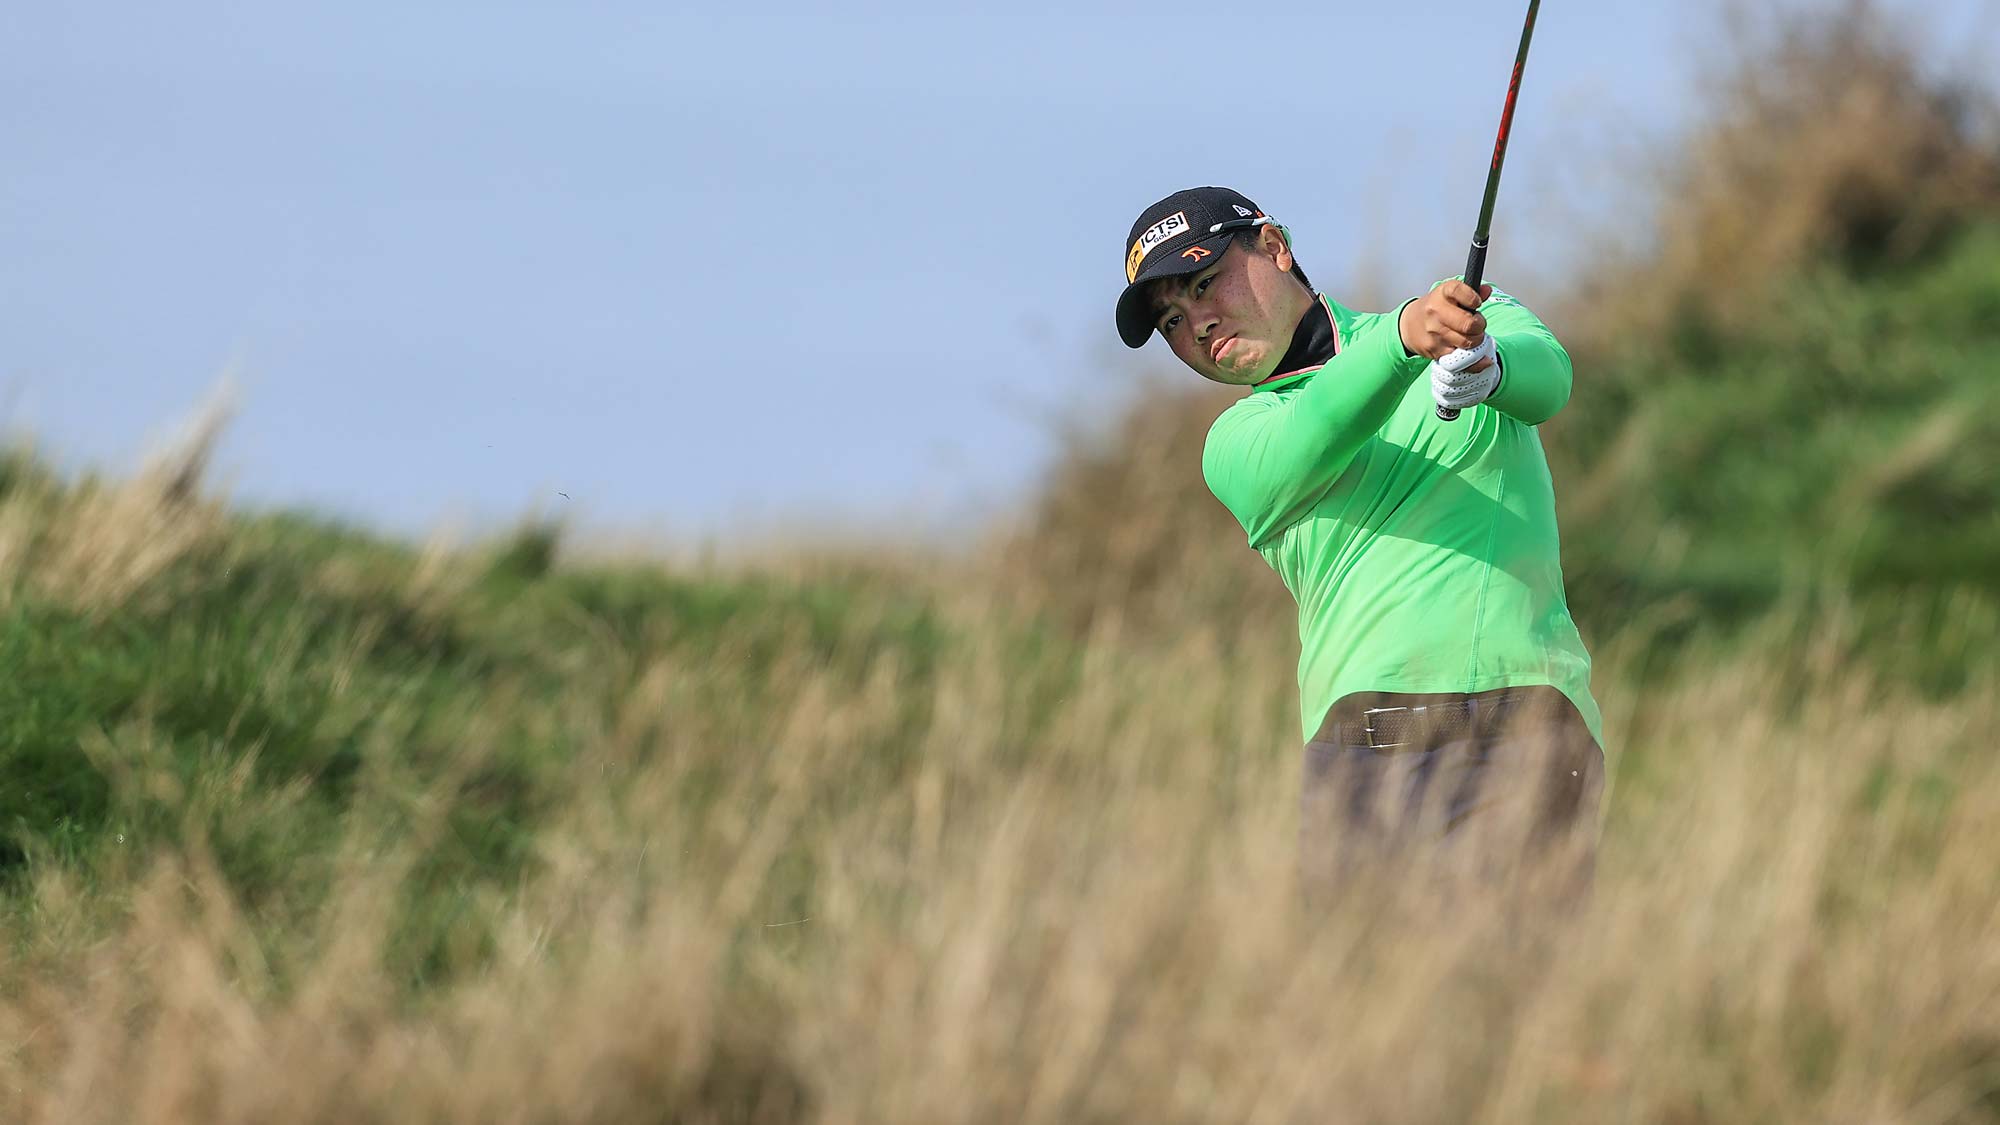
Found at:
(1272, 243)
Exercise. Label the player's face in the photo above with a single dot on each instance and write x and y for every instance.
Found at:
(1233, 321)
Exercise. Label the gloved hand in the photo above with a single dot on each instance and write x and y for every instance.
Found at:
(1455, 384)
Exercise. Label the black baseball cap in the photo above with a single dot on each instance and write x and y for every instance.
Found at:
(1180, 234)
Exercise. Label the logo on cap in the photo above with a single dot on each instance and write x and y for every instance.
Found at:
(1159, 232)
(1195, 252)
(1242, 210)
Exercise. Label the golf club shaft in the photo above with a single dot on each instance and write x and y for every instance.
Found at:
(1475, 262)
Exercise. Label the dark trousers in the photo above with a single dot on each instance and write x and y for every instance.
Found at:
(1450, 792)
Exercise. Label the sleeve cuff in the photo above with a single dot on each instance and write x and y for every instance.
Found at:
(1397, 324)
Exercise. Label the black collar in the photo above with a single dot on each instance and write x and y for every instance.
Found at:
(1314, 342)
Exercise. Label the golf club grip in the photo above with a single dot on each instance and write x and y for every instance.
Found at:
(1475, 269)
(1475, 263)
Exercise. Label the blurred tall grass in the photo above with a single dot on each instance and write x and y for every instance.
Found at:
(302, 825)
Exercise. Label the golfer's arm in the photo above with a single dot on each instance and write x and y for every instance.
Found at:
(1534, 368)
(1269, 465)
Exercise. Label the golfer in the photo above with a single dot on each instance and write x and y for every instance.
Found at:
(1444, 691)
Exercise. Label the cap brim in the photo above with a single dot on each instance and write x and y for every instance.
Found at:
(1135, 313)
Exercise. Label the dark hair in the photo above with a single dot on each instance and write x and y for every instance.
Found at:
(1246, 241)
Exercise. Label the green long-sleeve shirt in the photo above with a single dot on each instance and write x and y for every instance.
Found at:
(1423, 553)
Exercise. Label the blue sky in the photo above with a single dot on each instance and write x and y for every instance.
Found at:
(726, 269)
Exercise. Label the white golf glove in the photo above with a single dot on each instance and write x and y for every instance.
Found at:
(1454, 386)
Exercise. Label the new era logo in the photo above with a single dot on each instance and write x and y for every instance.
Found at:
(1242, 210)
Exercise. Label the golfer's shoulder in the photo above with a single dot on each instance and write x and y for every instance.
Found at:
(1224, 450)
(1244, 412)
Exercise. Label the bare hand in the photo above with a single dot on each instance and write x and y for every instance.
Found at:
(1444, 319)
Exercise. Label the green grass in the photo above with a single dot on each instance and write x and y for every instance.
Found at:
(1852, 438)
(297, 680)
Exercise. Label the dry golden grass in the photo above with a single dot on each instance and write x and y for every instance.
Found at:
(1796, 919)
(97, 546)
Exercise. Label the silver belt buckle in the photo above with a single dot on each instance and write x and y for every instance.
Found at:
(1368, 725)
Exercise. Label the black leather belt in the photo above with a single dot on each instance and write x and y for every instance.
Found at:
(1421, 726)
